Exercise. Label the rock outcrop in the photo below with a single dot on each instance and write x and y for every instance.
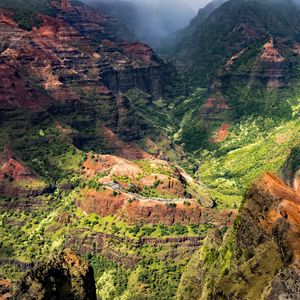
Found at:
(271, 211)
(65, 276)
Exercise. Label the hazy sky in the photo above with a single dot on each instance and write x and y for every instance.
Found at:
(195, 4)
(154, 20)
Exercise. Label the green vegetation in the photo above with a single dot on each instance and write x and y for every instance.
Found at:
(35, 234)
(256, 145)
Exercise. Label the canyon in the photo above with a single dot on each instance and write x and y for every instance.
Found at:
(126, 176)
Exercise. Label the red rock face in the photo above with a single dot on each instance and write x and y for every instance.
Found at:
(16, 170)
(16, 178)
(154, 212)
(275, 213)
(141, 52)
(104, 203)
(222, 134)
(148, 211)
(13, 169)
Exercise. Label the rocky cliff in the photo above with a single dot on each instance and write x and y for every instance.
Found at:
(65, 276)
(259, 259)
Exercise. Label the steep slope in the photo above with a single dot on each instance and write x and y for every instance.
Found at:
(259, 259)
(64, 276)
(69, 72)
(241, 66)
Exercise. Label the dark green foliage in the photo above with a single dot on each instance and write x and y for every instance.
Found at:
(25, 11)
(195, 135)
(293, 162)
(101, 265)
(161, 277)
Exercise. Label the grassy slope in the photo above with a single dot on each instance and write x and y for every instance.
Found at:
(217, 269)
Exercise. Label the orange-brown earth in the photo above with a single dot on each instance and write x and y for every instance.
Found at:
(222, 134)
(16, 178)
(273, 208)
(135, 210)
(5, 286)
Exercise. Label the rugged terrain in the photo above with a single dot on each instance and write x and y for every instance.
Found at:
(84, 162)
(145, 172)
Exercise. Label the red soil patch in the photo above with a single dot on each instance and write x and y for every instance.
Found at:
(15, 176)
(221, 134)
(116, 166)
(270, 53)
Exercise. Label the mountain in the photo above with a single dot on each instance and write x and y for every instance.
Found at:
(246, 55)
(250, 27)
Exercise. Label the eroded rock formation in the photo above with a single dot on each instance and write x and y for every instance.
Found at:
(65, 276)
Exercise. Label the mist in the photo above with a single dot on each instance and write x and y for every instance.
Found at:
(151, 20)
